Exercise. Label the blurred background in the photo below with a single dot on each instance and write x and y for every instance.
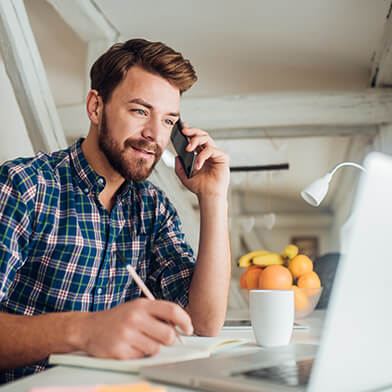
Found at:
(303, 83)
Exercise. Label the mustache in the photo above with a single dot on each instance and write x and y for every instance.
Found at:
(144, 144)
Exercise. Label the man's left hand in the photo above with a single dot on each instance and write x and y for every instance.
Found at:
(211, 174)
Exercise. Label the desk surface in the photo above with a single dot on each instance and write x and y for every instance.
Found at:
(63, 375)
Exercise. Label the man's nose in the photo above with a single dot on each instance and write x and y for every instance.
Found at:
(152, 129)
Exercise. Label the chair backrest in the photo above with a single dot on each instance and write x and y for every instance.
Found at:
(325, 266)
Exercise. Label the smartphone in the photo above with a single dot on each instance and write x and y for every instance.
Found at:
(180, 141)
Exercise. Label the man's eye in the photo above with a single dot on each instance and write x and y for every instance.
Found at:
(169, 122)
(139, 111)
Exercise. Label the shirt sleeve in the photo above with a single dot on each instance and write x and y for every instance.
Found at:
(15, 227)
(172, 261)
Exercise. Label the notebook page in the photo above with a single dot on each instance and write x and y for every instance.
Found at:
(166, 355)
(194, 347)
(212, 345)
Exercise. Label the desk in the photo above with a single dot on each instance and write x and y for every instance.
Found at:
(63, 375)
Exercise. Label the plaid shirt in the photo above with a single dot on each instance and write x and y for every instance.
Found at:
(58, 243)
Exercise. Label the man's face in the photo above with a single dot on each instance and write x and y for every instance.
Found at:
(136, 123)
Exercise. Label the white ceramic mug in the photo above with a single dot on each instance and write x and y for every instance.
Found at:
(272, 316)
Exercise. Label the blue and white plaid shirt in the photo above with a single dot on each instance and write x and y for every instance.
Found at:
(58, 244)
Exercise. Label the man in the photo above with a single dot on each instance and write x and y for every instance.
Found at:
(65, 216)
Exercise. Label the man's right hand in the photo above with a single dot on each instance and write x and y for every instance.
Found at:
(133, 329)
(130, 330)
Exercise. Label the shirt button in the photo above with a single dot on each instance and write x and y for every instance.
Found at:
(101, 181)
(86, 190)
(99, 291)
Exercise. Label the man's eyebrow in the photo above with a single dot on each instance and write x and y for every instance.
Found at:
(149, 106)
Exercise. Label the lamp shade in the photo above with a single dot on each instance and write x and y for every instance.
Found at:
(316, 191)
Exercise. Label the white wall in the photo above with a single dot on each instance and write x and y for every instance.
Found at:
(276, 240)
(383, 142)
(348, 181)
(62, 52)
(15, 141)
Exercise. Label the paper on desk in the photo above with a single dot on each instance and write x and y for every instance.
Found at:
(213, 345)
(194, 347)
(138, 387)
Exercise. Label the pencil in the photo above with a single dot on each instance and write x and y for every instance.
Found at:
(142, 286)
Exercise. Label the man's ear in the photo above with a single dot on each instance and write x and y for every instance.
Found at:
(94, 106)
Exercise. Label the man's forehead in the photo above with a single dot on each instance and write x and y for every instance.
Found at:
(141, 85)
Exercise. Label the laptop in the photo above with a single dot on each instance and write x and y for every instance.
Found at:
(355, 351)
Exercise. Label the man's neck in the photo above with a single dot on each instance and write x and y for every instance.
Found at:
(97, 160)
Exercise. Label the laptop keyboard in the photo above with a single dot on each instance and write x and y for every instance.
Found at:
(292, 373)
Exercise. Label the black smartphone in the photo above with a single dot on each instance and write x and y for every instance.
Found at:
(180, 141)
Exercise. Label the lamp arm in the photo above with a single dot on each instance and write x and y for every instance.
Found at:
(347, 164)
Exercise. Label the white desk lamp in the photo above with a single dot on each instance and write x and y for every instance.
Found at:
(316, 191)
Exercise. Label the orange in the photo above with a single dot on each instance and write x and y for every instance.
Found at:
(309, 280)
(252, 278)
(301, 300)
(300, 265)
(243, 280)
(275, 277)
(243, 276)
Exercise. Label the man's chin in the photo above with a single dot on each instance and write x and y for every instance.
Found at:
(138, 174)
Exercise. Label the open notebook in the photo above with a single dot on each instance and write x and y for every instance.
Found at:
(194, 347)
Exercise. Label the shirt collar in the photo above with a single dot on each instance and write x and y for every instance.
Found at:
(88, 179)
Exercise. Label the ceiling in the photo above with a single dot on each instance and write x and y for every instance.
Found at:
(261, 45)
(238, 48)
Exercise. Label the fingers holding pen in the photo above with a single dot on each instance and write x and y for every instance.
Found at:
(133, 329)
(173, 314)
(158, 319)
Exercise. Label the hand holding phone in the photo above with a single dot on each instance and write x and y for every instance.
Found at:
(180, 142)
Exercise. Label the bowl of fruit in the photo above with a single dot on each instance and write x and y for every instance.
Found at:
(287, 271)
(305, 301)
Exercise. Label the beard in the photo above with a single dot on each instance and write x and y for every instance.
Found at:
(121, 159)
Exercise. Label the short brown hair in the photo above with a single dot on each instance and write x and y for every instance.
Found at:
(155, 57)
